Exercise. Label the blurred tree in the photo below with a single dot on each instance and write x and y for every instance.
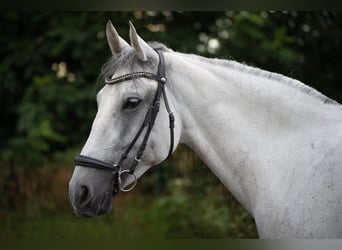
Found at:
(50, 62)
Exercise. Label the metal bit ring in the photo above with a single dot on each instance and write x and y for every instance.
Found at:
(127, 172)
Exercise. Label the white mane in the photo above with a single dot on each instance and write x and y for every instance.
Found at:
(266, 74)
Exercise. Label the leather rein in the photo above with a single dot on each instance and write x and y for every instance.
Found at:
(147, 125)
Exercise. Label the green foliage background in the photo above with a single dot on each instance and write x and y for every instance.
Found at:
(50, 62)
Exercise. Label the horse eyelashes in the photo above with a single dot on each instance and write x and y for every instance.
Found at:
(131, 103)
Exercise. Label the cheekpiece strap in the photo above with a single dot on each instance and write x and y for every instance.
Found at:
(131, 76)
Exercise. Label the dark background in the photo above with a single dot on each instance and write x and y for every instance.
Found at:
(50, 62)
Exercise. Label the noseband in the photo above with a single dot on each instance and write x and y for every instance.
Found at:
(147, 125)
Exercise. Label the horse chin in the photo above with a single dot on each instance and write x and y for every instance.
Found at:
(102, 208)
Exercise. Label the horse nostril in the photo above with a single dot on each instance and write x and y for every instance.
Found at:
(83, 195)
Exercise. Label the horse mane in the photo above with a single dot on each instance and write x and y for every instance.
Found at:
(129, 59)
(266, 74)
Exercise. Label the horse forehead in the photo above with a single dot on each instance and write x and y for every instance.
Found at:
(106, 91)
(115, 92)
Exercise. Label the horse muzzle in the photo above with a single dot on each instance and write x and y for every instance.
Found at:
(89, 201)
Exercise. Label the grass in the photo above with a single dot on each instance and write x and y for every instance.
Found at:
(169, 202)
(175, 216)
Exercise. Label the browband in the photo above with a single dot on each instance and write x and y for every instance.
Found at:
(131, 76)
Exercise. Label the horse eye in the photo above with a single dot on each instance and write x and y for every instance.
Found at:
(131, 103)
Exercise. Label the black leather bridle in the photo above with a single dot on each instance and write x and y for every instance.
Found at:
(147, 125)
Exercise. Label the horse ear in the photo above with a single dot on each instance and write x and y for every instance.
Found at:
(116, 43)
(142, 49)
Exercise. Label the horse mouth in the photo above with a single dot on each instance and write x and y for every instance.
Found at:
(101, 208)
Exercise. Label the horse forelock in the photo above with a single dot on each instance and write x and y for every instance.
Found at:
(129, 61)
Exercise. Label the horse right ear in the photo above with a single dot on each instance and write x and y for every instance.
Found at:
(115, 42)
(142, 49)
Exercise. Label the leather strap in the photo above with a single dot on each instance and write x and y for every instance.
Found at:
(131, 76)
(86, 161)
(162, 81)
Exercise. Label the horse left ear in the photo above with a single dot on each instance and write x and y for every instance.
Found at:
(142, 49)
(116, 43)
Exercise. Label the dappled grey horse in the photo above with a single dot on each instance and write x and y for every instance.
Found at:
(272, 141)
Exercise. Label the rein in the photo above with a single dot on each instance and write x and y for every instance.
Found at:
(148, 123)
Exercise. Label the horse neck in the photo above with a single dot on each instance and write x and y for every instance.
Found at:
(242, 125)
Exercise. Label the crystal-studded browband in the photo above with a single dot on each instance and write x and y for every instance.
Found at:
(130, 77)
